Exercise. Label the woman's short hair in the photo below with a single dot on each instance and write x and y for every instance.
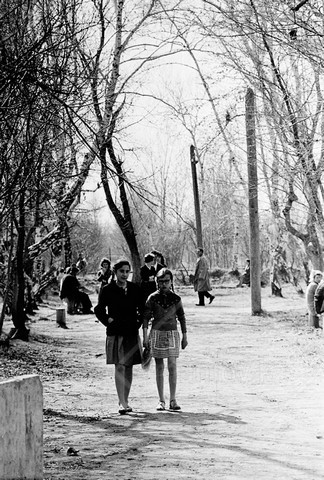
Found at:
(156, 253)
(120, 263)
(104, 260)
(163, 272)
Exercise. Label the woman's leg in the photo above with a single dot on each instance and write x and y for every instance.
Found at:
(120, 382)
(159, 370)
(172, 367)
(128, 381)
(123, 381)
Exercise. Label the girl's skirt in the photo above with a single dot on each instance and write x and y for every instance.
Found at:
(123, 350)
(164, 344)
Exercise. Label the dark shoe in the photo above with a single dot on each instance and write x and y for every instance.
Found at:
(129, 409)
(174, 405)
(211, 299)
(19, 334)
(62, 325)
(200, 304)
(122, 411)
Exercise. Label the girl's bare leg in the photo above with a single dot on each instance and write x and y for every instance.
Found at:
(172, 367)
(159, 370)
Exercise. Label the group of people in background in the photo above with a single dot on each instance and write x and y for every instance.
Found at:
(315, 298)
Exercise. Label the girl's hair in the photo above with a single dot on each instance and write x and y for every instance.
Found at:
(163, 272)
(120, 263)
(315, 272)
(156, 253)
(148, 258)
(105, 260)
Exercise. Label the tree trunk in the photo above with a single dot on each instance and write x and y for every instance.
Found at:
(193, 163)
(18, 313)
(253, 204)
(124, 217)
(7, 297)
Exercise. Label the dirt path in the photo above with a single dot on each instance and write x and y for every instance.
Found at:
(251, 391)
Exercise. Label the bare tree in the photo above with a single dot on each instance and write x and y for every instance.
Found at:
(285, 71)
(127, 36)
(35, 86)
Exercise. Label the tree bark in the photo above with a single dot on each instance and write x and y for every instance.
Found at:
(18, 313)
(253, 204)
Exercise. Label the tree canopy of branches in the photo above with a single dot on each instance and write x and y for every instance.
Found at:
(73, 81)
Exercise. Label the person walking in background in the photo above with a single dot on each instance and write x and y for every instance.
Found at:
(201, 279)
(164, 307)
(120, 309)
(104, 274)
(315, 298)
(148, 273)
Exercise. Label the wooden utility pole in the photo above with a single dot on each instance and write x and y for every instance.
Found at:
(253, 203)
(193, 162)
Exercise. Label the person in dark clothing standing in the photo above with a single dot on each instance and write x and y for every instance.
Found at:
(120, 309)
(159, 261)
(148, 273)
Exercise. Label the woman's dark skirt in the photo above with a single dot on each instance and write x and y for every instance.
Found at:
(123, 350)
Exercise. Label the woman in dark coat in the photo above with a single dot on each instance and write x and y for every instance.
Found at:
(148, 273)
(120, 308)
(104, 273)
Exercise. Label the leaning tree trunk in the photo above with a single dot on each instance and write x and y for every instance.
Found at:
(123, 217)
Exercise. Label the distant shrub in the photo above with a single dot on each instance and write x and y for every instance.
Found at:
(217, 274)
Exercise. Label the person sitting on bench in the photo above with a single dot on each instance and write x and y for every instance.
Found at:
(71, 290)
